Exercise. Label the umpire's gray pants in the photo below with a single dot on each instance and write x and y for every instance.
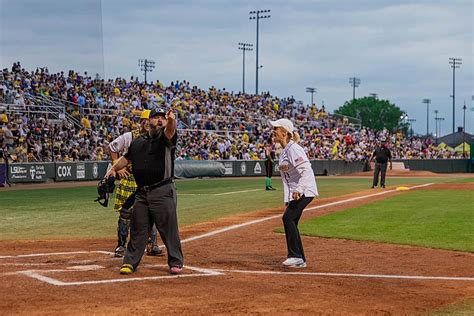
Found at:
(382, 169)
(158, 206)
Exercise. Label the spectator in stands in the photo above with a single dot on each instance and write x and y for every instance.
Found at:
(8, 137)
(3, 118)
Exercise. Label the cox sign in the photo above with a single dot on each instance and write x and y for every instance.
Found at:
(64, 171)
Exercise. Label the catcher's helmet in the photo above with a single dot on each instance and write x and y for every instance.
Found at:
(104, 188)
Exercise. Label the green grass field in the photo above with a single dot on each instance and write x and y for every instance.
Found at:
(71, 212)
(438, 219)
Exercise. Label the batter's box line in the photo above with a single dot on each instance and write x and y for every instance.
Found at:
(351, 275)
(57, 254)
(35, 274)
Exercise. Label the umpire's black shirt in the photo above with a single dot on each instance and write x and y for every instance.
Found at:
(152, 158)
(382, 154)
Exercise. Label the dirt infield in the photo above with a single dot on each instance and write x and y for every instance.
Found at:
(238, 270)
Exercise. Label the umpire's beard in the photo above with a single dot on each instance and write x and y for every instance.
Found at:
(154, 131)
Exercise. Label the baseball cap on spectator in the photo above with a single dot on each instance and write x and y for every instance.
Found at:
(145, 114)
(284, 123)
(157, 112)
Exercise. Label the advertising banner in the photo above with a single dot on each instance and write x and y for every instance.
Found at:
(3, 174)
(30, 172)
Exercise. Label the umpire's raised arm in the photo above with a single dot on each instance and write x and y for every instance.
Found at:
(170, 128)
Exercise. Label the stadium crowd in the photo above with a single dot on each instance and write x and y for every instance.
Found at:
(213, 125)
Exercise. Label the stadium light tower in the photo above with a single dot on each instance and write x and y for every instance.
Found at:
(454, 62)
(436, 123)
(355, 82)
(146, 65)
(373, 95)
(411, 120)
(312, 91)
(427, 101)
(464, 130)
(439, 119)
(403, 119)
(256, 15)
(244, 47)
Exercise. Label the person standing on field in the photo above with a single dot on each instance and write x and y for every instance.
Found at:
(127, 188)
(382, 155)
(269, 158)
(299, 188)
(152, 157)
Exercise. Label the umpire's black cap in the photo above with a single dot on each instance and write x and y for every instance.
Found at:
(157, 112)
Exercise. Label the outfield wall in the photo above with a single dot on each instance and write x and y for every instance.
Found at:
(95, 170)
(440, 165)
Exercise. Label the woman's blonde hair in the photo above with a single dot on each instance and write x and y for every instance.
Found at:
(296, 137)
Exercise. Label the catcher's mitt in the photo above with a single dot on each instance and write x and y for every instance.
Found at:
(105, 187)
(127, 207)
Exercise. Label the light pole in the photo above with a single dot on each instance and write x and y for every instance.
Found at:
(464, 130)
(146, 65)
(244, 47)
(411, 120)
(355, 82)
(454, 62)
(373, 95)
(255, 15)
(439, 119)
(404, 118)
(312, 91)
(436, 125)
(427, 102)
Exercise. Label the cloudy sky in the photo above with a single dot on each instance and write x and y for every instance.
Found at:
(400, 49)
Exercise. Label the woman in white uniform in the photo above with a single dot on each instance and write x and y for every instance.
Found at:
(299, 188)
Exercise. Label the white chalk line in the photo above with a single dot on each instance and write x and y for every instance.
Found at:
(38, 274)
(354, 275)
(23, 264)
(208, 272)
(232, 227)
(57, 254)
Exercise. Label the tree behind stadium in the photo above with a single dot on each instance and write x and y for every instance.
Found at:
(374, 113)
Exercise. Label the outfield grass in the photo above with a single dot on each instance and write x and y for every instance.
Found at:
(71, 212)
(430, 218)
(463, 308)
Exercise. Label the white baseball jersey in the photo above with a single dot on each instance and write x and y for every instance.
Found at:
(121, 143)
(296, 172)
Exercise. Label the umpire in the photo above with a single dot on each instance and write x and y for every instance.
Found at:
(152, 158)
(382, 155)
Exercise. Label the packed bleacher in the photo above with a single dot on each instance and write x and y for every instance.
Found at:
(214, 124)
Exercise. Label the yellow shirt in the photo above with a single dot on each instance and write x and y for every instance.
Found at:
(85, 122)
(3, 118)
